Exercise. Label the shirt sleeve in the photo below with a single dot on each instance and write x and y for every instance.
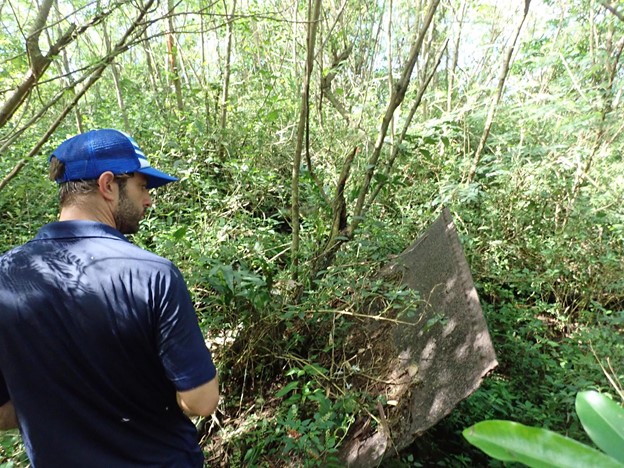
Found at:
(183, 352)
(4, 391)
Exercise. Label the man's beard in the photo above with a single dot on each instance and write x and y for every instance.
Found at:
(127, 216)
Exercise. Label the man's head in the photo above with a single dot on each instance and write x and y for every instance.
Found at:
(88, 155)
(110, 164)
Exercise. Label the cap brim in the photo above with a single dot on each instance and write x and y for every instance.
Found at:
(156, 178)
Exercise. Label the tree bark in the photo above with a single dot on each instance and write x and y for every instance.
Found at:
(38, 62)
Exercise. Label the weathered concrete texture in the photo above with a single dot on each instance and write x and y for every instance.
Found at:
(437, 360)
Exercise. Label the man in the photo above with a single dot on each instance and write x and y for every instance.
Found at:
(101, 354)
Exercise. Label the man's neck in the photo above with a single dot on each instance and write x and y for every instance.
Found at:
(77, 212)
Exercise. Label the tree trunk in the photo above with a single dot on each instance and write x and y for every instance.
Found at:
(455, 59)
(326, 254)
(226, 75)
(135, 30)
(151, 66)
(502, 78)
(390, 69)
(314, 12)
(205, 87)
(116, 81)
(172, 54)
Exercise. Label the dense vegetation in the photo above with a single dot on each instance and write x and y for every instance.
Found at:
(314, 141)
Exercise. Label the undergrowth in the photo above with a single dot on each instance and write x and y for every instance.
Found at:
(551, 295)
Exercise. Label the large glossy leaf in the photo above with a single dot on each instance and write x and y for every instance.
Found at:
(535, 447)
(603, 420)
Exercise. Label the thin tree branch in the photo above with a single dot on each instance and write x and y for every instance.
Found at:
(226, 74)
(314, 13)
(502, 78)
(396, 99)
(326, 82)
(119, 48)
(612, 9)
(455, 59)
(408, 121)
(40, 63)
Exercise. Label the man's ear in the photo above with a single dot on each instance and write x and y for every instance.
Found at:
(107, 186)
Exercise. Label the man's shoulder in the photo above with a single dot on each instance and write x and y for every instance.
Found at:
(151, 260)
(127, 252)
(9, 254)
(113, 252)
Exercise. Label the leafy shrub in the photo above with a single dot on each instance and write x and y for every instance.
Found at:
(602, 419)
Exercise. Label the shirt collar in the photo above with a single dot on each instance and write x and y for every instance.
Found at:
(78, 228)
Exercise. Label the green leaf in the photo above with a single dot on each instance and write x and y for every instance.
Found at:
(228, 276)
(535, 447)
(287, 389)
(603, 420)
(315, 369)
(180, 233)
(381, 178)
(272, 116)
(425, 152)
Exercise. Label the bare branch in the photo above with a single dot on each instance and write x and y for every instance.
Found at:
(398, 94)
(612, 9)
(326, 82)
(502, 78)
(136, 29)
(39, 62)
(408, 121)
(313, 15)
(32, 41)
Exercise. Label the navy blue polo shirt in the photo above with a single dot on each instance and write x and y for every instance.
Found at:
(96, 336)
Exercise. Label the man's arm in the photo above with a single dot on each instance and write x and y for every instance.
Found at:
(200, 401)
(8, 419)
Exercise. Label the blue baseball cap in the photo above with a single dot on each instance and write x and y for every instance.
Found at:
(88, 155)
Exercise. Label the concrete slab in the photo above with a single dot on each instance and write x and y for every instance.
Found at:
(429, 362)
